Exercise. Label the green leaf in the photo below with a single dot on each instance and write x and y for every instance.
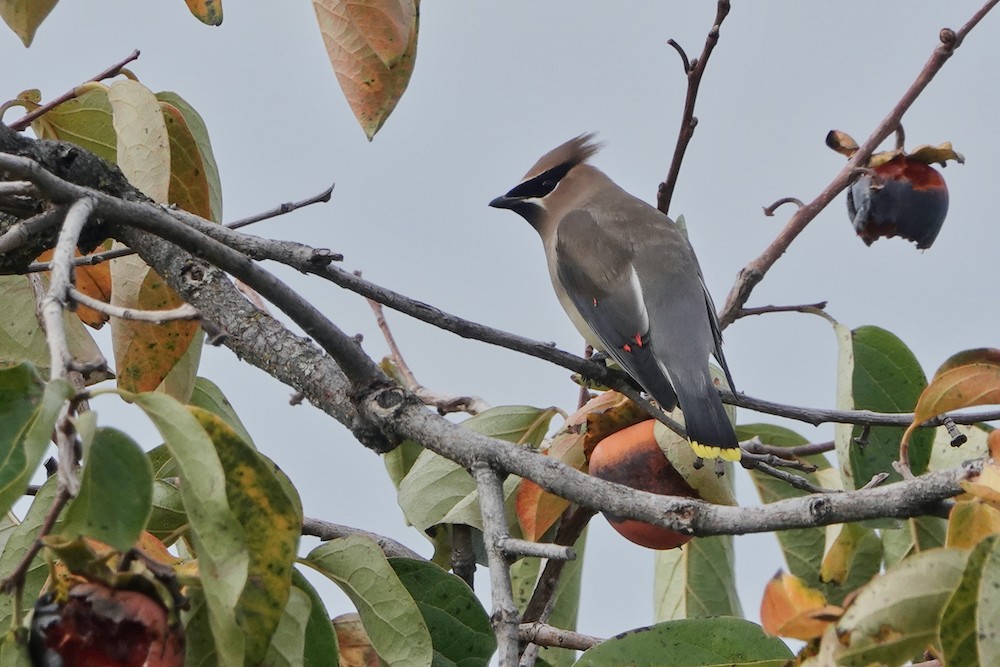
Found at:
(461, 633)
(85, 121)
(886, 378)
(320, 641)
(691, 643)
(116, 492)
(970, 626)
(912, 536)
(391, 617)
(219, 537)
(14, 653)
(28, 411)
(897, 615)
(854, 556)
(19, 540)
(288, 641)
(399, 461)
(271, 524)
(24, 16)
(22, 339)
(167, 516)
(199, 131)
(696, 581)
(207, 396)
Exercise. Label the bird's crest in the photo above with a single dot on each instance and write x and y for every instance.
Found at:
(568, 155)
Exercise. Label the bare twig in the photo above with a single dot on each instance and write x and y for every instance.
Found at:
(24, 121)
(758, 447)
(543, 634)
(694, 72)
(755, 271)
(505, 618)
(331, 531)
(282, 209)
(796, 481)
(445, 403)
(24, 231)
(515, 548)
(769, 210)
(763, 310)
(183, 312)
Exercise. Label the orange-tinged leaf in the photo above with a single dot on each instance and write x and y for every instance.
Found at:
(208, 12)
(24, 16)
(94, 281)
(993, 442)
(959, 387)
(188, 179)
(355, 647)
(537, 509)
(979, 355)
(985, 486)
(144, 352)
(384, 25)
(372, 87)
(153, 548)
(792, 609)
(971, 521)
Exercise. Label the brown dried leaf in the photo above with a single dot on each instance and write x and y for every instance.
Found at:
(841, 142)
(94, 281)
(350, 29)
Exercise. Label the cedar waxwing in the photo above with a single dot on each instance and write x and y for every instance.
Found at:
(628, 278)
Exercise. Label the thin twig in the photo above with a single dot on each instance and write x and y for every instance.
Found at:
(796, 481)
(763, 310)
(28, 229)
(758, 447)
(281, 209)
(755, 271)
(544, 634)
(331, 531)
(694, 72)
(24, 121)
(515, 548)
(769, 210)
(445, 403)
(185, 311)
(14, 582)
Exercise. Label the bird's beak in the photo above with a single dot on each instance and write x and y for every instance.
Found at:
(505, 202)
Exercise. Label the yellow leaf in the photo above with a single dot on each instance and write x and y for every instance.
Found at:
(969, 522)
(789, 608)
(940, 154)
(24, 16)
(985, 486)
(208, 12)
(372, 87)
(143, 141)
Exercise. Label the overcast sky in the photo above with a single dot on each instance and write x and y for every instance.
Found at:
(498, 84)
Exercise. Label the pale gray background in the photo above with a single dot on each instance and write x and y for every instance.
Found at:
(495, 86)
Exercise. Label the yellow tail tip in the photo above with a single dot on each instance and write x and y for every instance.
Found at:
(716, 452)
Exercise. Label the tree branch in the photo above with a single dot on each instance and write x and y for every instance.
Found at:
(754, 272)
(331, 531)
(694, 72)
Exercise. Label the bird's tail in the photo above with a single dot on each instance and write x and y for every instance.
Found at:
(705, 420)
